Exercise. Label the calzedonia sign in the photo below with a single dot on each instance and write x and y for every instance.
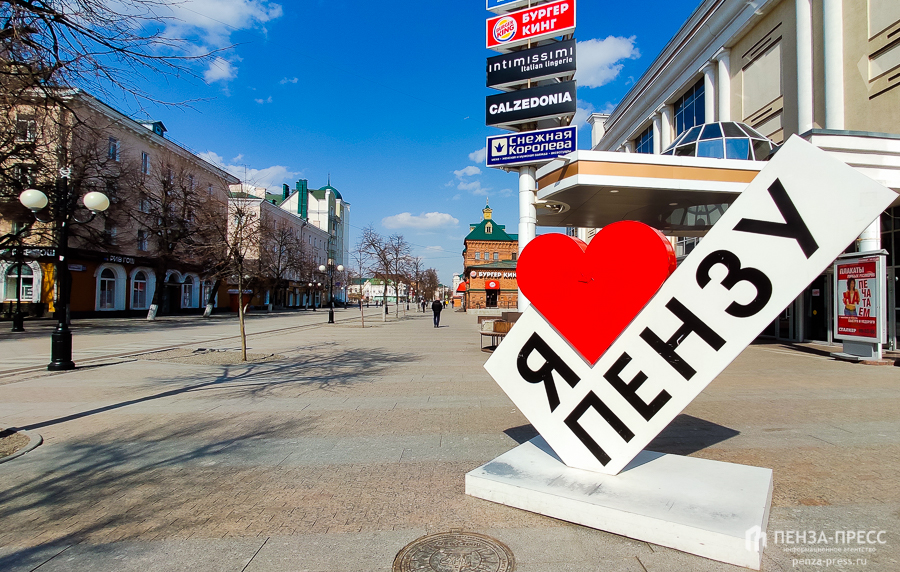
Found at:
(505, 109)
(544, 62)
(531, 146)
(539, 22)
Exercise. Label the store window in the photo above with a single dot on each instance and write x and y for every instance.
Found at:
(13, 275)
(187, 292)
(139, 291)
(644, 141)
(107, 290)
(690, 109)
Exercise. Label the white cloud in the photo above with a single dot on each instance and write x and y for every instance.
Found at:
(478, 156)
(269, 177)
(220, 69)
(210, 23)
(289, 80)
(469, 171)
(598, 59)
(424, 221)
(261, 101)
(435, 248)
(464, 183)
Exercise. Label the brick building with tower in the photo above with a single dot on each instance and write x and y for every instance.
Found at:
(489, 259)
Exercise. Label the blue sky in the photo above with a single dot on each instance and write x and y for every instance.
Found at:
(387, 98)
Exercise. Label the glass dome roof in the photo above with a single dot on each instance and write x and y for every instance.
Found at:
(722, 140)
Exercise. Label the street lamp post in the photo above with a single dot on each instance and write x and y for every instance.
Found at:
(63, 215)
(331, 268)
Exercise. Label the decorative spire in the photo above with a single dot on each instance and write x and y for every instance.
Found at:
(487, 210)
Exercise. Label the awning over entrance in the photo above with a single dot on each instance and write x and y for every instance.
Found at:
(682, 196)
(461, 287)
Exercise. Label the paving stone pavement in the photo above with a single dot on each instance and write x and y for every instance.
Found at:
(357, 442)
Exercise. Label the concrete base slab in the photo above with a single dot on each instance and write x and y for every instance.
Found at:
(694, 505)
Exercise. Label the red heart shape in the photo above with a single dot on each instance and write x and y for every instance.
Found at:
(591, 292)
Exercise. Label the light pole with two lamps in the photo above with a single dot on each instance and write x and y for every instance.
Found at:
(331, 268)
(62, 214)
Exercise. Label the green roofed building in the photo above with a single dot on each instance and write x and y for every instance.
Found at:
(489, 259)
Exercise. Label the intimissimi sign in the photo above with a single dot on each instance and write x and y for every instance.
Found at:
(539, 63)
(504, 109)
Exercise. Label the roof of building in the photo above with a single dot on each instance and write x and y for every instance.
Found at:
(498, 232)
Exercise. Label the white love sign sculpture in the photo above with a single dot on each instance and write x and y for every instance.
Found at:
(791, 222)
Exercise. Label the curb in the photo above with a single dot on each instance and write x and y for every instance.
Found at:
(34, 439)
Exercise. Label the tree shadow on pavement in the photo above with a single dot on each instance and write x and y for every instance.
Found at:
(176, 473)
(155, 482)
(317, 370)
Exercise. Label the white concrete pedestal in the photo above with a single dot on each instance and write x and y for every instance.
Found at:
(694, 505)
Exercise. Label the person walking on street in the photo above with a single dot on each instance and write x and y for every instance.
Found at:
(436, 307)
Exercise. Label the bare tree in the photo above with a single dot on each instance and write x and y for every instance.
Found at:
(172, 213)
(430, 284)
(378, 252)
(415, 266)
(398, 253)
(281, 256)
(92, 44)
(242, 255)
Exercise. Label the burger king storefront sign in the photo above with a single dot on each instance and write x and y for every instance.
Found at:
(544, 21)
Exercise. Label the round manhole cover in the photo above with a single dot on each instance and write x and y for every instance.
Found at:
(455, 551)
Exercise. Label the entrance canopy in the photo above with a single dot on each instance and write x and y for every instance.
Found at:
(680, 195)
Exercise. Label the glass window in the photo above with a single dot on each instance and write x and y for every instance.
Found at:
(107, 289)
(737, 149)
(711, 131)
(112, 152)
(139, 291)
(187, 292)
(26, 128)
(644, 141)
(12, 282)
(142, 240)
(690, 108)
(496, 256)
(732, 129)
(145, 163)
(713, 148)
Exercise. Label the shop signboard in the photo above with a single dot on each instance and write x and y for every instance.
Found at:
(859, 298)
(531, 146)
(544, 62)
(530, 24)
(506, 109)
(598, 406)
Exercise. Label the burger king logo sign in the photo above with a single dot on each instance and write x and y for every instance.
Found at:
(505, 29)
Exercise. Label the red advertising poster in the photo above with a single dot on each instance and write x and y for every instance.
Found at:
(542, 21)
(856, 298)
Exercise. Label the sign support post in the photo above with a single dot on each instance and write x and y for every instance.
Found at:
(527, 216)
